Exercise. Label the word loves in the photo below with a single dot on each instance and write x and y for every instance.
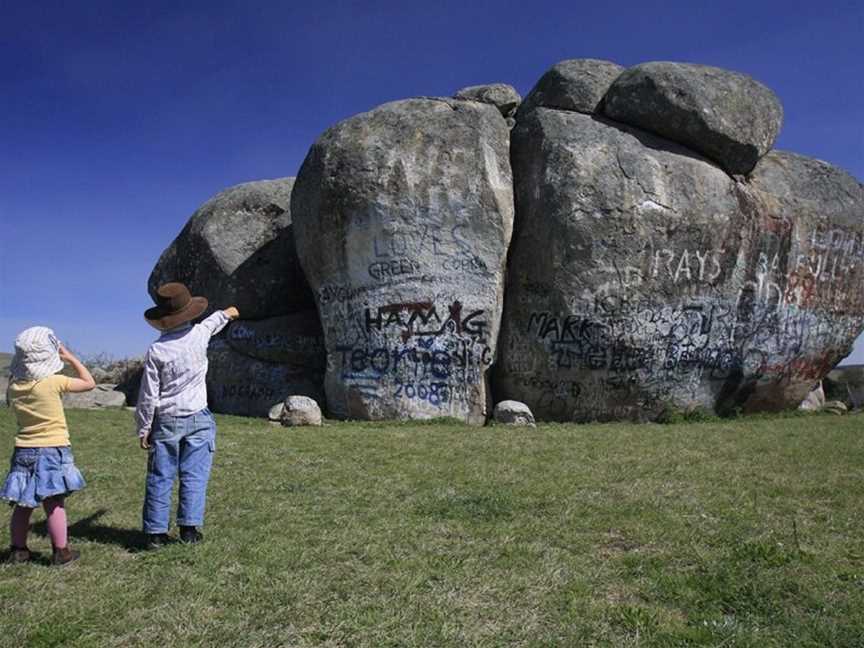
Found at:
(406, 317)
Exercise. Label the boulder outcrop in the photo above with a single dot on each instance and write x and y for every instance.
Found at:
(238, 249)
(663, 256)
(403, 216)
(643, 278)
(622, 265)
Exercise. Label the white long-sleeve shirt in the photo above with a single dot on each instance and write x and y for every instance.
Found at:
(175, 372)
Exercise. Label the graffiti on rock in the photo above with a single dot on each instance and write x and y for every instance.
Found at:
(421, 351)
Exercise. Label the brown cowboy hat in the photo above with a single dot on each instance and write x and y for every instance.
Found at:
(174, 306)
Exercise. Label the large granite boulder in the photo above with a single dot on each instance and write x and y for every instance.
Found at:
(727, 116)
(403, 216)
(620, 271)
(238, 249)
(801, 304)
(642, 278)
(575, 84)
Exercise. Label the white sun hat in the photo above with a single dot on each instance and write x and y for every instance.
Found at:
(37, 354)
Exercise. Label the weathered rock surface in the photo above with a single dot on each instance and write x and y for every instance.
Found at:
(298, 411)
(241, 384)
(295, 339)
(642, 278)
(238, 249)
(801, 304)
(510, 412)
(726, 116)
(101, 396)
(575, 84)
(618, 275)
(403, 216)
(502, 96)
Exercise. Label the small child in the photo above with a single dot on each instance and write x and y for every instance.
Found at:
(42, 470)
(172, 418)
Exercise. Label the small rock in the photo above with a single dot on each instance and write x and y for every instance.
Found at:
(835, 407)
(815, 399)
(300, 410)
(275, 413)
(502, 96)
(511, 412)
(101, 396)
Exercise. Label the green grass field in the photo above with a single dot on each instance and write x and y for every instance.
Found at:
(741, 533)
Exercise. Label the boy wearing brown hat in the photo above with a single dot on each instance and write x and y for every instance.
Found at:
(172, 418)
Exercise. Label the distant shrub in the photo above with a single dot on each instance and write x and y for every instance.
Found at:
(675, 416)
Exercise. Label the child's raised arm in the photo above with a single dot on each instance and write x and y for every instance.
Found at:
(217, 321)
(84, 382)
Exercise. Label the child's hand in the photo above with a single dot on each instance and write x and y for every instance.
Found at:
(232, 313)
(65, 356)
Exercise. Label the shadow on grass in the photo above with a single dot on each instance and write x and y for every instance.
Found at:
(89, 529)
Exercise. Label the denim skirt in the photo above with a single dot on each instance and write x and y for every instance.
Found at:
(36, 474)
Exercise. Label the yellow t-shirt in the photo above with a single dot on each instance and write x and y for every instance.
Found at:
(39, 409)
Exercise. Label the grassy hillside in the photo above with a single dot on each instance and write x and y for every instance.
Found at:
(740, 533)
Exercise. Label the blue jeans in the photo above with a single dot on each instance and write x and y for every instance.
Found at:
(184, 445)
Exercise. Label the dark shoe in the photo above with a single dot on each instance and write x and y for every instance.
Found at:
(190, 535)
(64, 556)
(157, 540)
(18, 555)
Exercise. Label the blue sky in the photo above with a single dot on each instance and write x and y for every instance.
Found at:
(117, 119)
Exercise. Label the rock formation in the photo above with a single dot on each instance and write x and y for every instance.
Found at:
(663, 256)
(403, 216)
(643, 278)
(238, 249)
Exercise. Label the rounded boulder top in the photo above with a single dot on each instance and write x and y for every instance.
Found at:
(727, 116)
(575, 84)
(238, 248)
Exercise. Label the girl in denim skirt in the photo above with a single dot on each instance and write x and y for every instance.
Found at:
(42, 469)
